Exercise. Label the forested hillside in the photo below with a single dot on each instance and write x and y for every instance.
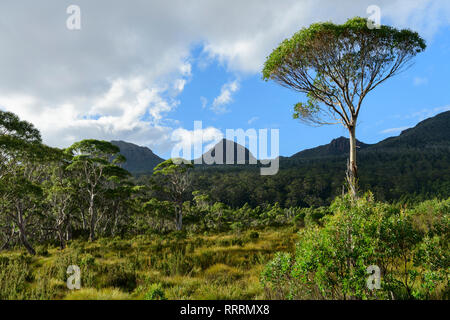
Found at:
(411, 167)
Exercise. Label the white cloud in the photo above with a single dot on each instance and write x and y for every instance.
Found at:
(204, 102)
(417, 116)
(424, 16)
(120, 75)
(225, 97)
(179, 84)
(418, 81)
(252, 120)
(186, 139)
(394, 130)
(428, 112)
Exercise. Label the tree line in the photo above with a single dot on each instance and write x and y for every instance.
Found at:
(48, 193)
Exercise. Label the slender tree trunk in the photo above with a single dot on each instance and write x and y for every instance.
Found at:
(83, 219)
(180, 221)
(179, 218)
(353, 166)
(352, 169)
(93, 219)
(24, 240)
(92, 227)
(22, 233)
(68, 232)
(62, 243)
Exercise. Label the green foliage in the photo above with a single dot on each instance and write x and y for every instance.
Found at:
(14, 275)
(172, 166)
(145, 267)
(397, 170)
(253, 235)
(331, 261)
(51, 199)
(337, 66)
(118, 276)
(12, 126)
(275, 276)
(155, 292)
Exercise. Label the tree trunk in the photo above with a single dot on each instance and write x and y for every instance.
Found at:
(180, 221)
(93, 219)
(179, 218)
(83, 219)
(352, 169)
(68, 232)
(22, 233)
(24, 240)
(62, 243)
(92, 228)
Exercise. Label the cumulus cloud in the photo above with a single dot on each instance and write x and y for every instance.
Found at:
(225, 97)
(120, 76)
(190, 144)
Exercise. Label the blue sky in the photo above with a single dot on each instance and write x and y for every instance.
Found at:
(143, 71)
(419, 92)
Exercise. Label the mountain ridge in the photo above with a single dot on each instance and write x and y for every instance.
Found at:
(139, 159)
(240, 154)
(431, 132)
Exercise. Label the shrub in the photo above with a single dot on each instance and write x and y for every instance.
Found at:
(118, 276)
(155, 292)
(42, 250)
(253, 235)
(14, 275)
(275, 276)
(331, 261)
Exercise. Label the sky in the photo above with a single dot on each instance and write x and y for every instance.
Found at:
(144, 71)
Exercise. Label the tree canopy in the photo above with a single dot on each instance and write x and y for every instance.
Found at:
(338, 65)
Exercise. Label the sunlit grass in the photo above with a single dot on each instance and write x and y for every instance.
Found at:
(218, 266)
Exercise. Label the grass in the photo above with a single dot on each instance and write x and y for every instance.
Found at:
(220, 266)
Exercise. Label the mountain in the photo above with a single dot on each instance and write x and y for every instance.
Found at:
(336, 147)
(139, 159)
(413, 166)
(431, 132)
(227, 152)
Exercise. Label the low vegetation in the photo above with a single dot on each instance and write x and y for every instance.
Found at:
(320, 253)
(153, 267)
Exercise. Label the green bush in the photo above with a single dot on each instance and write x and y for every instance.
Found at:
(275, 276)
(155, 292)
(253, 235)
(42, 250)
(15, 274)
(331, 261)
(118, 276)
